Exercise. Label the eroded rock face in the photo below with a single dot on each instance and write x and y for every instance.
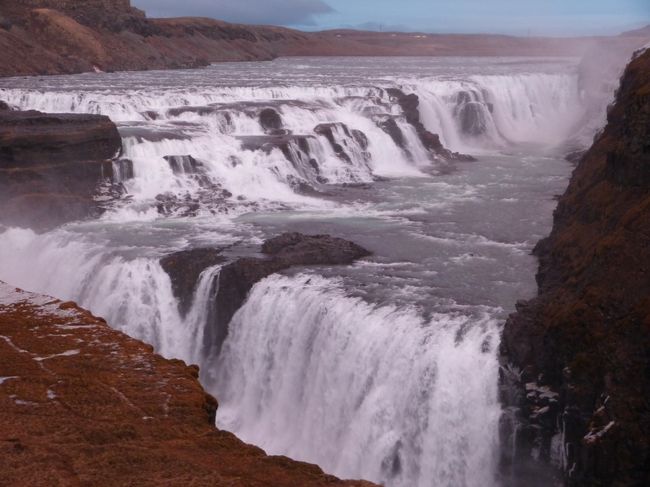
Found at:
(237, 278)
(185, 267)
(409, 104)
(270, 120)
(83, 404)
(576, 357)
(51, 165)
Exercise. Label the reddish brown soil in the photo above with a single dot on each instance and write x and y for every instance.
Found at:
(84, 405)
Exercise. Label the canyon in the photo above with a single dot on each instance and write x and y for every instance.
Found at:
(335, 243)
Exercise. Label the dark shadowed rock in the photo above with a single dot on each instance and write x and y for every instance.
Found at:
(51, 165)
(576, 358)
(291, 249)
(389, 125)
(33, 138)
(327, 131)
(185, 268)
(409, 104)
(270, 120)
(4, 106)
(237, 278)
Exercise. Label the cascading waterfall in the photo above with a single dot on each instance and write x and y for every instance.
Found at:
(310, 372)
(220, 129)
(397, 394)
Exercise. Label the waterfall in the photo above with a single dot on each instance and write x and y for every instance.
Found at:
(373, 391)
(365, 387)
(323, 135)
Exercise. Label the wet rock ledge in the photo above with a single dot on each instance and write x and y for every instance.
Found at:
(83, 404)
(576, 359)
(51, 166)
(237, 278)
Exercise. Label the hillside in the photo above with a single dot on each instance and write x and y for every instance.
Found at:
(72, 36)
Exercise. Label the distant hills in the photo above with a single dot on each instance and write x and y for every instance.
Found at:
(72, 36)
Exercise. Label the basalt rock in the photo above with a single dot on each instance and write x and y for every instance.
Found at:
(270, 120)
(237, 278)
(185, 268)
(576, 358)
(409, 104)
(83, 404)
(51, 165)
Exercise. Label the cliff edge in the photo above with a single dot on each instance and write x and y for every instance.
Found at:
(83, 404)
(576, 359)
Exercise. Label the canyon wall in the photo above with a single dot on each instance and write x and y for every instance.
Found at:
(576, 358)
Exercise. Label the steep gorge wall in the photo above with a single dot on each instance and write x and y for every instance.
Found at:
(576, 358)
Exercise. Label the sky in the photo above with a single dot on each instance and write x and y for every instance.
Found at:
(518, 17)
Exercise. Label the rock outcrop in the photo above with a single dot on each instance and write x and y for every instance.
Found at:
(51, 165)
(576, 359)
(409, 104)
(83, 404)
(237, 278)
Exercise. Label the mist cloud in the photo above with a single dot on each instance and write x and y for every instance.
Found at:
(279, 12)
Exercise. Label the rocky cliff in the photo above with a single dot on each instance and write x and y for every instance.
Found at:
(576, 359)
(51, 166)
(83, 404)
(71, 36)
(237, 277)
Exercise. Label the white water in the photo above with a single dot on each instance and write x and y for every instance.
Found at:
(370, 391)
(387, 371)
(471, 113)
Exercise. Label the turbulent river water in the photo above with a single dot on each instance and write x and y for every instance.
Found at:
(385, 369)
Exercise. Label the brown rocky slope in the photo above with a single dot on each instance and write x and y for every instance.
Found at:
(84, 405)
(577, 357)
(72, 36)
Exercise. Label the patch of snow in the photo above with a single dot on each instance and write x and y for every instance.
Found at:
(5, 379)
(67, 353)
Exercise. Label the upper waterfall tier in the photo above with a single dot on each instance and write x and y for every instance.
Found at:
(224, 139)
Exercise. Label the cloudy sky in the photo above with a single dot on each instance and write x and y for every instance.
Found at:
(552, 17)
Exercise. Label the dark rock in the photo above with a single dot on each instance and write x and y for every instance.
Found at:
(580, 351)
(270, 120)
(389, 125)
(237, 278)
(4, 106)
(327, 131)
(291, 249)
(34, 138)
(409, 104)
(472, 117)
(185, 268)
(51, 166)
(183, 164)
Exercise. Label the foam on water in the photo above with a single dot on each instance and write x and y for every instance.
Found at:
(371, 391)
